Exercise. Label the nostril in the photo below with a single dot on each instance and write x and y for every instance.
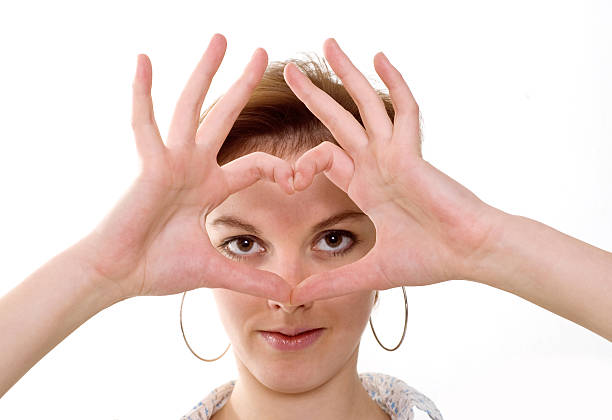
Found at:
(286, 307)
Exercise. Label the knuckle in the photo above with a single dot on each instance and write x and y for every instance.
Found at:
(412, 108)
(327, 147)
(256, 171)
(253, 172)
(250, 81)
(325, 150)
(139, 124)
(333, 120)
(136, 124)
(258, 158)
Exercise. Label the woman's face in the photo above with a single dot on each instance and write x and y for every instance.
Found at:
(286, 237)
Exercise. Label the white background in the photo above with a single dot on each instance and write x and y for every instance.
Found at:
(516, 103)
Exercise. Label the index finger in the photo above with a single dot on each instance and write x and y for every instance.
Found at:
(363, 274)
(187, 112)
(371, 107)
(221, 117)
(344, 127)
(232, 275)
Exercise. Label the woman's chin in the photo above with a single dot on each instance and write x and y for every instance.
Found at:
(293, 372)
(288, 382)
(290, 375)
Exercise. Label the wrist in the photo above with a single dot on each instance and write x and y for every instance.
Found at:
(104, 291)
(486, 262)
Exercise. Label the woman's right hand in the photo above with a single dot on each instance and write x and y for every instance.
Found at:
(153, 242)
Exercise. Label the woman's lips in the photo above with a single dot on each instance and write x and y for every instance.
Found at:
(284, 342)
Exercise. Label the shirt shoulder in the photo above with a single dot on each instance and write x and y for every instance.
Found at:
(396, 397)
(212, 403)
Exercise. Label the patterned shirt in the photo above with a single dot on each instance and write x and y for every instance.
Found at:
(393, 396)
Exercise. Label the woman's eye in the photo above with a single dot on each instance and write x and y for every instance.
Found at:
(337, 242)
(240, 247)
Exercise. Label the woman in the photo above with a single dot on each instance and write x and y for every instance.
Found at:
(421, 228)
(295, 236)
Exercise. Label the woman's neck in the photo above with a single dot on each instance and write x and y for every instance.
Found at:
(342, 396)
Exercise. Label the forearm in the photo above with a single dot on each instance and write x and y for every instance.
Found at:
(43, 310)
(551, 269)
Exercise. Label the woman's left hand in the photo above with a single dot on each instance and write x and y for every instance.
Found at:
(429, 228)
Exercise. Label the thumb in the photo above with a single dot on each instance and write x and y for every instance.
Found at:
(248, 169)
(326, 157)
(363, 274)
(235, 276)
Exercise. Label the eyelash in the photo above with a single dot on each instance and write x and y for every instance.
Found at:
(223, 247)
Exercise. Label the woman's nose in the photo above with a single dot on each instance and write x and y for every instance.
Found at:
(293, 273)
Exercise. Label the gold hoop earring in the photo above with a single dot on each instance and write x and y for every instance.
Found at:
(405, 325)
(184, 338)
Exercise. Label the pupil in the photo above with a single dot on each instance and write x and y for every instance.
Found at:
(246, 243)
(332, 239)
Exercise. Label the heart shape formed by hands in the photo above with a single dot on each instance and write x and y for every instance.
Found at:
(429, 228)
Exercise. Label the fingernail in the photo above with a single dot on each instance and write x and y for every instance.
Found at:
(139, 70)
(296, 180)
(214, 37)
(291, 299)
(298, 69)
(255, 52)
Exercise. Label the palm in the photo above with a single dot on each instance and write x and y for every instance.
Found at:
(434, 228)
(154, 241)
(179, 257)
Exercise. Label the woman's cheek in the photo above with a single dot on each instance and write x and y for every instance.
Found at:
(235, 309)
(353, 310)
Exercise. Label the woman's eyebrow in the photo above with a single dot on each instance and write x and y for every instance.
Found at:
(234, 221)
(330, 221)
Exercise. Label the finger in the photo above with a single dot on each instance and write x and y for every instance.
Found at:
(406, 121)
(363, 274)
(341, 123)
(187, 112)
(371, 107)
(225, 273)
(246, 170)
(148, 140)
(219, 120)
(326, 157)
